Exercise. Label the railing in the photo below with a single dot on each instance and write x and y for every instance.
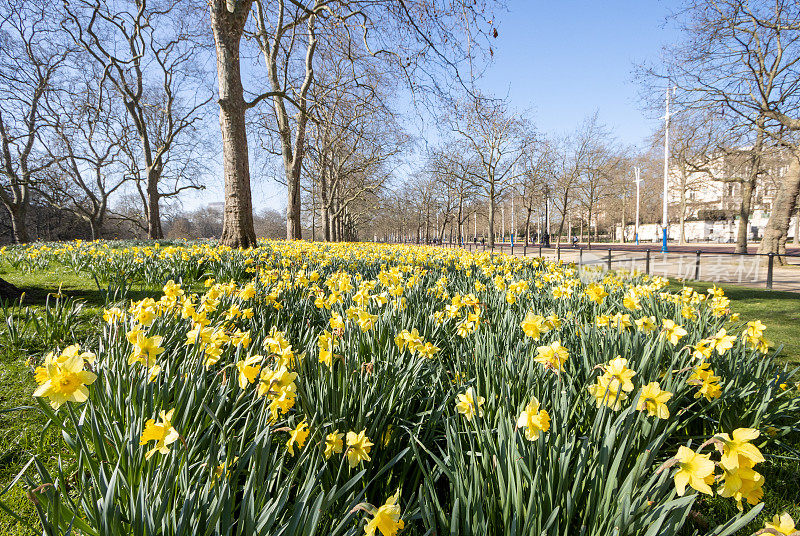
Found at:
(753, 269)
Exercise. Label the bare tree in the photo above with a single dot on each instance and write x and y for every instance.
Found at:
(496, 138)
(87, 145)
(739, 60)
(355, 136)
(603, 163)
(421, 41)
(576, 151)
(537, 180)
(146, 54)
(450, 167)
(694, 149)
(30, 60)
(278, 41)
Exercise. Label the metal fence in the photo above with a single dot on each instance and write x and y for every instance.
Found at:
(751, 269)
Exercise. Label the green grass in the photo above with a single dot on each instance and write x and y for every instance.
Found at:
(22, 432)
(37, 285)
(779, 311)
(22, 435)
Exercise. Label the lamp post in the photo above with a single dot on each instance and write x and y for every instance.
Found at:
(665, 215)
(637, 170)
(503, 227)
(513, 229)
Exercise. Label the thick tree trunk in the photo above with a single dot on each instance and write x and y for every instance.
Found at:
(98, 220)
(560, 229)
(19, 231)
(777, 229)
(748, 186)
(744, 214)
(237, 226)
(154, 231)
(326, 223)
(293, 229)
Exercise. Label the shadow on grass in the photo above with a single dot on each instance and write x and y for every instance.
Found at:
(37, 295)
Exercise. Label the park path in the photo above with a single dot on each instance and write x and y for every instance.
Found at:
(714, 264)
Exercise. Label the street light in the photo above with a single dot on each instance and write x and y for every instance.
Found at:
(665, 215)
(513, 229)
(637, 170)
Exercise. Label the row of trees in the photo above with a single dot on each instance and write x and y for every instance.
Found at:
(491, 157)
(109, 107)
(735, 118)
(734, 79)
(110, 104)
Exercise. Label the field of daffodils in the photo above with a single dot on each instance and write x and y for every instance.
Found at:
(347, 389)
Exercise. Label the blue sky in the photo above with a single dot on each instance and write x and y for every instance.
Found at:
(564, 59)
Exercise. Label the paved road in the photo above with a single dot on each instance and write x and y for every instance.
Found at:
(716, 264)
(791, 249)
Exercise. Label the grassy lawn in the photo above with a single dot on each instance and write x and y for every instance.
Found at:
(779, 311)
(22, 426)
(22, 435)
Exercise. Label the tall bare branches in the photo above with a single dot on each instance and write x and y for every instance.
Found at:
(147, 57)
(31, 58)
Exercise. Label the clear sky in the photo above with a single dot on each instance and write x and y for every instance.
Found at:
(564, 59)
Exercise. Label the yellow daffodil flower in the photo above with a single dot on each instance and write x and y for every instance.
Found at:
(533, 420)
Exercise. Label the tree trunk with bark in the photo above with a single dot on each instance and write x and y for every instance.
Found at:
(748, 186)
(18, 215)
(94, 227)
(744, 214)
(491, 215)
(154, 231)
(528, 226)
(777, 229)
(228, 19)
